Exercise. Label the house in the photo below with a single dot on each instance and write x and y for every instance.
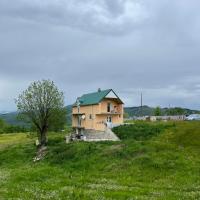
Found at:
(97, 111)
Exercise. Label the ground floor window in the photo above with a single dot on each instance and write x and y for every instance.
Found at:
(109, 119)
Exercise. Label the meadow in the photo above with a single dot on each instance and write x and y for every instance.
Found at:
(152, 161)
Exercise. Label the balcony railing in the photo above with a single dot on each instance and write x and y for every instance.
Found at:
(112, 112)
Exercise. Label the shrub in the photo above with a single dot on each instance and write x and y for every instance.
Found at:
(141, 130)
(7, 128)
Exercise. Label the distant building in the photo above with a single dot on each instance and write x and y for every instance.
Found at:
(161, 118)
(193, 117)
(97, 111)
(168, 118)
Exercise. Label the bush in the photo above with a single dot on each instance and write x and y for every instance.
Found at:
(140, 130)
(15, 129)
(7, 128)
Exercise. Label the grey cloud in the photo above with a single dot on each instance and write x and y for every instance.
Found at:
(106, 17)
(84, 45)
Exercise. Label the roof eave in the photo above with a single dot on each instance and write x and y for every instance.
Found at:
(86, 104)
(117, 96)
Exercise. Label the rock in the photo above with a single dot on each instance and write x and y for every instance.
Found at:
(42, 152)
(67, 139)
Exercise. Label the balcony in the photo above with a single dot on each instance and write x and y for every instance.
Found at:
(76, 113)
(112, 112)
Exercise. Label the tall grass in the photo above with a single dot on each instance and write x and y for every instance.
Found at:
(152, 161)
(141, 130)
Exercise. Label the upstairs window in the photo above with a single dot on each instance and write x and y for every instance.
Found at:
(109, 107)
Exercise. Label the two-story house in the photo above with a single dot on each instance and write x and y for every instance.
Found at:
(97, 110)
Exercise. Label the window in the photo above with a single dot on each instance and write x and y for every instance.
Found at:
(108, 107)
(90, 116)
(109, 119)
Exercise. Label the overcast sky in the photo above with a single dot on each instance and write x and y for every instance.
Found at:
(131, 46)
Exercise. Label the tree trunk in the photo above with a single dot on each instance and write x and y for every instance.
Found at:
(43, 141)
(43, 137)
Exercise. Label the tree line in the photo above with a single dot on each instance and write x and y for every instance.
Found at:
(169, 111)
(8, 128)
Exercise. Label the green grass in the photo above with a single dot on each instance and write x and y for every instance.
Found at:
(153, 161)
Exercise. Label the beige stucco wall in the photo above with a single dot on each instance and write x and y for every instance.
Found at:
(101, 119)
(99, 115)
(103, 105)
(87, 110)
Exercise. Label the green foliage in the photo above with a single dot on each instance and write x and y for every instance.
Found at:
(157, 111)
(140, 130)
(176, 111)
(42, 104)
(187, 136)
(148, 111)
(165, 166)
(126, 115)
(2, 125)
(7, 128)
(15, 129)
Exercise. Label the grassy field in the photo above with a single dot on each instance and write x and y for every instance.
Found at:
(152, 161)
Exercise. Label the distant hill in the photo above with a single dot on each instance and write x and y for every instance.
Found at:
(11, 117)
(148, 111)
(136, 111)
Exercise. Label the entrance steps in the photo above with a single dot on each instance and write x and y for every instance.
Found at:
(93, 135)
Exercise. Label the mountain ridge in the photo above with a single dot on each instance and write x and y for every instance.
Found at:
(149, 111)
(11, 117)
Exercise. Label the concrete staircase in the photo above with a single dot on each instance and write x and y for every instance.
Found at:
(107, 135)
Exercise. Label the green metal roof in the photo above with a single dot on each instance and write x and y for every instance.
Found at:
(94, 98)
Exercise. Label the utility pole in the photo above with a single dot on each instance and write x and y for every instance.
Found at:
(141, 105)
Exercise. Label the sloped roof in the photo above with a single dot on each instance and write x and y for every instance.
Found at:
(95, 97)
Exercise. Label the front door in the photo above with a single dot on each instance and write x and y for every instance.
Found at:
(109, 122)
